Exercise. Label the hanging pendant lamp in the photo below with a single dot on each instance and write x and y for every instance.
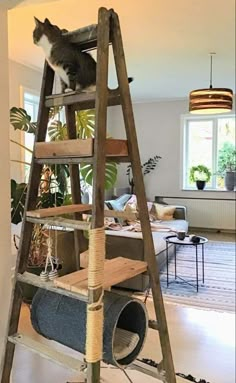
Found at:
(211, 100)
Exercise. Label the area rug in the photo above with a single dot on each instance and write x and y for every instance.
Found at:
(218, 291)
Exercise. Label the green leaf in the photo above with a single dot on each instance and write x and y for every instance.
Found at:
(18, 197)
(85, 123)
(21, 120)
(57, 131)
(86, 171)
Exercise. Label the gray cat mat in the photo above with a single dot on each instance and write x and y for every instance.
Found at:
(63, 319)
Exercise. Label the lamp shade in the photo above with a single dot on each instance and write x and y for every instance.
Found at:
(210, 100)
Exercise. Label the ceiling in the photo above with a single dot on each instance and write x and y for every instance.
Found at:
(167, 43)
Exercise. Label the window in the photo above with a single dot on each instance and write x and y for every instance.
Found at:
(203, 139)
(30, 104)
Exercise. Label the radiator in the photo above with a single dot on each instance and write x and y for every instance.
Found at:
(207, 213)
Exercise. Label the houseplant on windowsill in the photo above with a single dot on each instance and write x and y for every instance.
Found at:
(227, 165)
(201, 175)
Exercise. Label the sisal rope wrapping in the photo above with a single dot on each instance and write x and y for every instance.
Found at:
(96, 258)
(94, 336)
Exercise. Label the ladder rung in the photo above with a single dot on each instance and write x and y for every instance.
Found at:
(58, 210)
(155, 372)
(60, 222)
(81, 100)
(116, 270)
(75, 208)
(76, 160)
(153, 324)
(85, 37)
(34, 280)
(48, 352)
(79, 148)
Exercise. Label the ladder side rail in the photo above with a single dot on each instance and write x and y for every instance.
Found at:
(79, 240)
(101, 102)
(141, 198)
(27, 227)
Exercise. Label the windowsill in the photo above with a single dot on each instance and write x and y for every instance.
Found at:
(209, 190)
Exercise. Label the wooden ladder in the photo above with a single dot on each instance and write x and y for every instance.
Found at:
(94, 151)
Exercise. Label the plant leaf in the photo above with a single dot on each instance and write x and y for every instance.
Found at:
(18, 197)
(20, 119)
(85, 123)
(86, 171)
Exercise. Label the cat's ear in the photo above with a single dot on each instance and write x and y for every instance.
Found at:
(37, 21)
(46, 21)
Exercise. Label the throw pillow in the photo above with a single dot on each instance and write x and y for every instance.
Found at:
(164, 212)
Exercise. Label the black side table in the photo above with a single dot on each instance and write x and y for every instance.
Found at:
(173, 240)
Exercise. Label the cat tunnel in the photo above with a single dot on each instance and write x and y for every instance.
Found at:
(63, 319)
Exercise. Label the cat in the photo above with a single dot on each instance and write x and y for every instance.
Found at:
(76, 69)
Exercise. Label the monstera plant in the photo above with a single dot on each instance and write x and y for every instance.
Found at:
(55, 189)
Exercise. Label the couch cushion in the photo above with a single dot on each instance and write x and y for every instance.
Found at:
(163, 212)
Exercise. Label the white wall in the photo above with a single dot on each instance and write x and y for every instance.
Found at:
(5, 247)
(158, 126)
(20, 76)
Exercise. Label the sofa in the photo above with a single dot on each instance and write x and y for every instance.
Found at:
(129, 244)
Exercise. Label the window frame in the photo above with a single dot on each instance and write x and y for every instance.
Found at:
(185, 119)
(33, 92)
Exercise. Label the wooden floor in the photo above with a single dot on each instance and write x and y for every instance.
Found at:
(203, 345)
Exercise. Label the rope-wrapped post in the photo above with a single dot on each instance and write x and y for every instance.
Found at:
(94, 329)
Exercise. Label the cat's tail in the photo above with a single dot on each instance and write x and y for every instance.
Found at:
(130, 79)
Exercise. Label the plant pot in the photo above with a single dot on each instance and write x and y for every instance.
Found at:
(230, 180)
(200, 184)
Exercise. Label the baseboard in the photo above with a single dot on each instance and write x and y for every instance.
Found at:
(212, 230)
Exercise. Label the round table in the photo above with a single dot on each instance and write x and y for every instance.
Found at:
(173, 240)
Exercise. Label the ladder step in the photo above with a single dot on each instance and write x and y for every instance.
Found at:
(48, 352)
(155, 372)
(58, 210)
(116, 270)
(153, 324)
(79, 148)
(85, 37)
(82, 100)
(76, 160)
(60, 222)
(34, 280)
(75, 208)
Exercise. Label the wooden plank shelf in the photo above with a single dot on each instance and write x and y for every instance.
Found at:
(58, 222)
(116, 270)
(48, 352)
(79, 148)
(34, 280)
(81, 100)
(85, 37)
(58, 210)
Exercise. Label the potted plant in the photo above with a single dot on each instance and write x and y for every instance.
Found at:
(227, 165)
(147, 168)
(200, 174)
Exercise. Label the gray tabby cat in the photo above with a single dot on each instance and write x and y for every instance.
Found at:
(76, 69)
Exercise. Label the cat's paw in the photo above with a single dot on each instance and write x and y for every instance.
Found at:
(68, 90)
